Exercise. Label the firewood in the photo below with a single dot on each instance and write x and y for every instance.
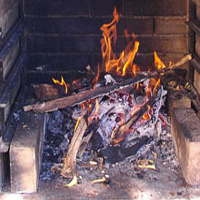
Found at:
(59, 103)
(69, 164)
(119, 135)
(45, 92)
(80, 97)
(84, 144)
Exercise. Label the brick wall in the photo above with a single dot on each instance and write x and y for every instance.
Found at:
(65, 35)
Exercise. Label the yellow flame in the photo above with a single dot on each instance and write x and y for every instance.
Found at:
(61, 83)
(131, 57)
(77, 123)
(158, 63)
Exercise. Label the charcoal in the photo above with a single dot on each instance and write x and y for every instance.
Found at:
(113, 154)
(97, 141)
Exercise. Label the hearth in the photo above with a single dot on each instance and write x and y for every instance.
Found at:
(56, 56)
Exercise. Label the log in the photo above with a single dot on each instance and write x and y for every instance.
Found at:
(60, 103)
(69, 164)
(46, 92)
(80, 97)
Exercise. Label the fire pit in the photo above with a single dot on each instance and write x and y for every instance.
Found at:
(106, 122)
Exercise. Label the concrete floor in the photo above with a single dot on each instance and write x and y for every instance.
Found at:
(164, 183)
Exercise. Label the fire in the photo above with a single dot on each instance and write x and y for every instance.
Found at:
(131, 57)
(95, 80)
(61, 83)
(147, 115)
(120, 65)
(77, 123)
(109, 59)
(157, 62)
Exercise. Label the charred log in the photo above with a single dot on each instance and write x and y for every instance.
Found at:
(78, 98)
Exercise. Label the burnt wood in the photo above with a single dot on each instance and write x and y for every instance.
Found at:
(93, 93)
(119, 135)
(83, 96)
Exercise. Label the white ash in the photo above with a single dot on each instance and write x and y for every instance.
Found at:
(109, 79)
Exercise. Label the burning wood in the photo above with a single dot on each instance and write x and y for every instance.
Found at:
(126, 111)
(56, 104)
(72, 100)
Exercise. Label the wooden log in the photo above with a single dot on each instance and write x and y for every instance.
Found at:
(83, 96)
(45, 92)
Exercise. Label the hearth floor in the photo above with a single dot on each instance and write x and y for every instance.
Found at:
(164, 183)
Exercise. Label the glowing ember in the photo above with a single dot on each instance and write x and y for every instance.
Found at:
(61, 83)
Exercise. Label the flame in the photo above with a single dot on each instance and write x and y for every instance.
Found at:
(109, 33)
(158, 63)
(77, 123)
(156, 85)
(95, 80)
(120, 65)
(147, 115)
(135, 68)
(131, 57)
(109, 59)
(61, 83)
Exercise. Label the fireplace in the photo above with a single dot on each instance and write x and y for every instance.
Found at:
(43, 39)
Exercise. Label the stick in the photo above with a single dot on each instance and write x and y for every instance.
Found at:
(69, 164)
(181, 61)
(82, 96)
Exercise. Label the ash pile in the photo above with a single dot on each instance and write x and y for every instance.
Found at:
(129, 125)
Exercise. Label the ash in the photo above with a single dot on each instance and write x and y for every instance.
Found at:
(59, 131)
(148, 140)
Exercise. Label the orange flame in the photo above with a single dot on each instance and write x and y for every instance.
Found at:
(61, 83)
(109, 60)
(95, 80)
(147, 115)
(157, 62)
(109, 33)
(131, 57)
